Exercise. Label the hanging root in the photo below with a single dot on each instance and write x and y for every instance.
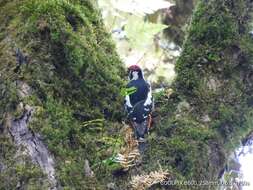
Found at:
(142, 182)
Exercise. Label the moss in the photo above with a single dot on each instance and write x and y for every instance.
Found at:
(213, 77)
(214, 28)
(75, 78)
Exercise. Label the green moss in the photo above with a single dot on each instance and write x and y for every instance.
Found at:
(75, 78)
(214, 28)
(211, 77)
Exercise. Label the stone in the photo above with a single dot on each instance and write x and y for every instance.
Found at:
(111, 186)
(206, 118)
(183, 106)
(87, 170)
(23, 89)
(213, 84)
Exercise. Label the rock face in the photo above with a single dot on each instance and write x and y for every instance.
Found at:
(34, 146)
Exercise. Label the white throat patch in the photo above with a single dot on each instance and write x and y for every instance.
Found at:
(135, 75)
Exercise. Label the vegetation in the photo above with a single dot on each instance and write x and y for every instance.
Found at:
(69, 60)
(137, 28)
(212, 88)
(56, 56)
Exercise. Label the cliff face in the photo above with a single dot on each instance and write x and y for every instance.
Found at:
(59, 77)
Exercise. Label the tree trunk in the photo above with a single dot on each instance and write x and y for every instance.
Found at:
(211, 108)
(57, 60)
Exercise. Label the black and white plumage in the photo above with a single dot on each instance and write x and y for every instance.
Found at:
(140, 103)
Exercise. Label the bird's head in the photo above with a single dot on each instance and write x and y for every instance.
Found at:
(135, 72)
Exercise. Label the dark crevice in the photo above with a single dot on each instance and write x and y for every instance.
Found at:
(73, 21)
